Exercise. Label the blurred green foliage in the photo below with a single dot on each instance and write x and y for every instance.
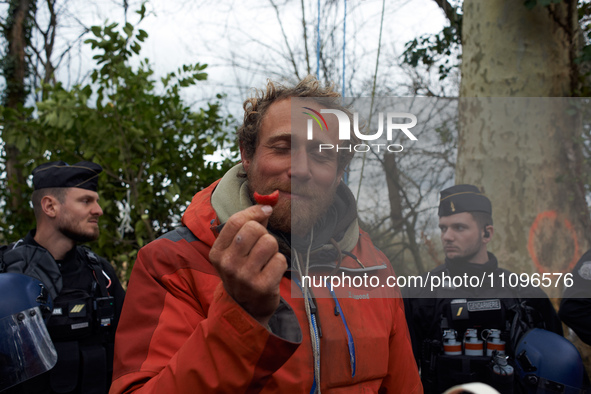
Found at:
(443, 50)
(151, 144)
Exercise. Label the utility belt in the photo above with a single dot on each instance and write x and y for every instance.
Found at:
(81, 328)
(78, 315)
(81, 324)
(82, 334)
(451, 362)
(476, 338)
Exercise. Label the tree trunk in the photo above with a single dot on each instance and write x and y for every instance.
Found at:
(524, 152)
(16, 70)
(515, 142)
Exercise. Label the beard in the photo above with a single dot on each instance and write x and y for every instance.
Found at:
(464, 258)
(469, 253)
(298, 215)
(77, 234)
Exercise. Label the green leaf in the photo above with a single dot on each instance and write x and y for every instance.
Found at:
(136, 47)
(145, 136)
(142, 35)
(21, 142)
(142, 11)
(169, 196)
(128, 29)
(96, 30)
(529, 4)
(69, 124)
(139, 226)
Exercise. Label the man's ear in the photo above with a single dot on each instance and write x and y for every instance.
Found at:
(50, 206)
(488, 233)
(245, 161)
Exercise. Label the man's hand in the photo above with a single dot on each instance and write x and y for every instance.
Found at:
(248, 260)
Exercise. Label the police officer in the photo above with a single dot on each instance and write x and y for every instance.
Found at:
(87, 295)
(575, 307)
(450, 322)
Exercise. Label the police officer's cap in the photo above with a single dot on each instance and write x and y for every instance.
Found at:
(463, 198)
(83, 175)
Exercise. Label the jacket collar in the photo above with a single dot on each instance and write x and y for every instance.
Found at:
(459, 267)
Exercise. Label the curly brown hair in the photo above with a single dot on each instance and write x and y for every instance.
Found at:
(256, 107)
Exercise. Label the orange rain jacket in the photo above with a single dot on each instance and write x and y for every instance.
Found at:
(180, 332)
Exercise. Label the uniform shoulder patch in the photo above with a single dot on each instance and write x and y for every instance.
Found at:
(585, 270)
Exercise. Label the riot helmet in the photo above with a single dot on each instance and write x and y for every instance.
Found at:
(26, 349)
(549, 363)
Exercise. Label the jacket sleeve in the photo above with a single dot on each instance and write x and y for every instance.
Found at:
(180, 332)
(575, 307)
(403, 375)
(411, 310)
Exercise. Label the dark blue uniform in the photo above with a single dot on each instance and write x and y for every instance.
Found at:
(488, 306)
(575, 308)
(84, 347)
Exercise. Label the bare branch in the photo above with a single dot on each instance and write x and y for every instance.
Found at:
(305, 29)
(448, 10)
(291, 56)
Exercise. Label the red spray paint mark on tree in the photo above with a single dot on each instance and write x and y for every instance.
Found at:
(549, 219)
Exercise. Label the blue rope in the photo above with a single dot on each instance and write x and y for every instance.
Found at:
(350, 341)
(344, 42)
(318, 45)
(346, 174)
(316, 334)
(315, 326)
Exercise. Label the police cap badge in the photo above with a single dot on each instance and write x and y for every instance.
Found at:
(463, 198)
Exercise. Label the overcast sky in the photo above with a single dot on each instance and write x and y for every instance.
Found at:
(225, 31)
